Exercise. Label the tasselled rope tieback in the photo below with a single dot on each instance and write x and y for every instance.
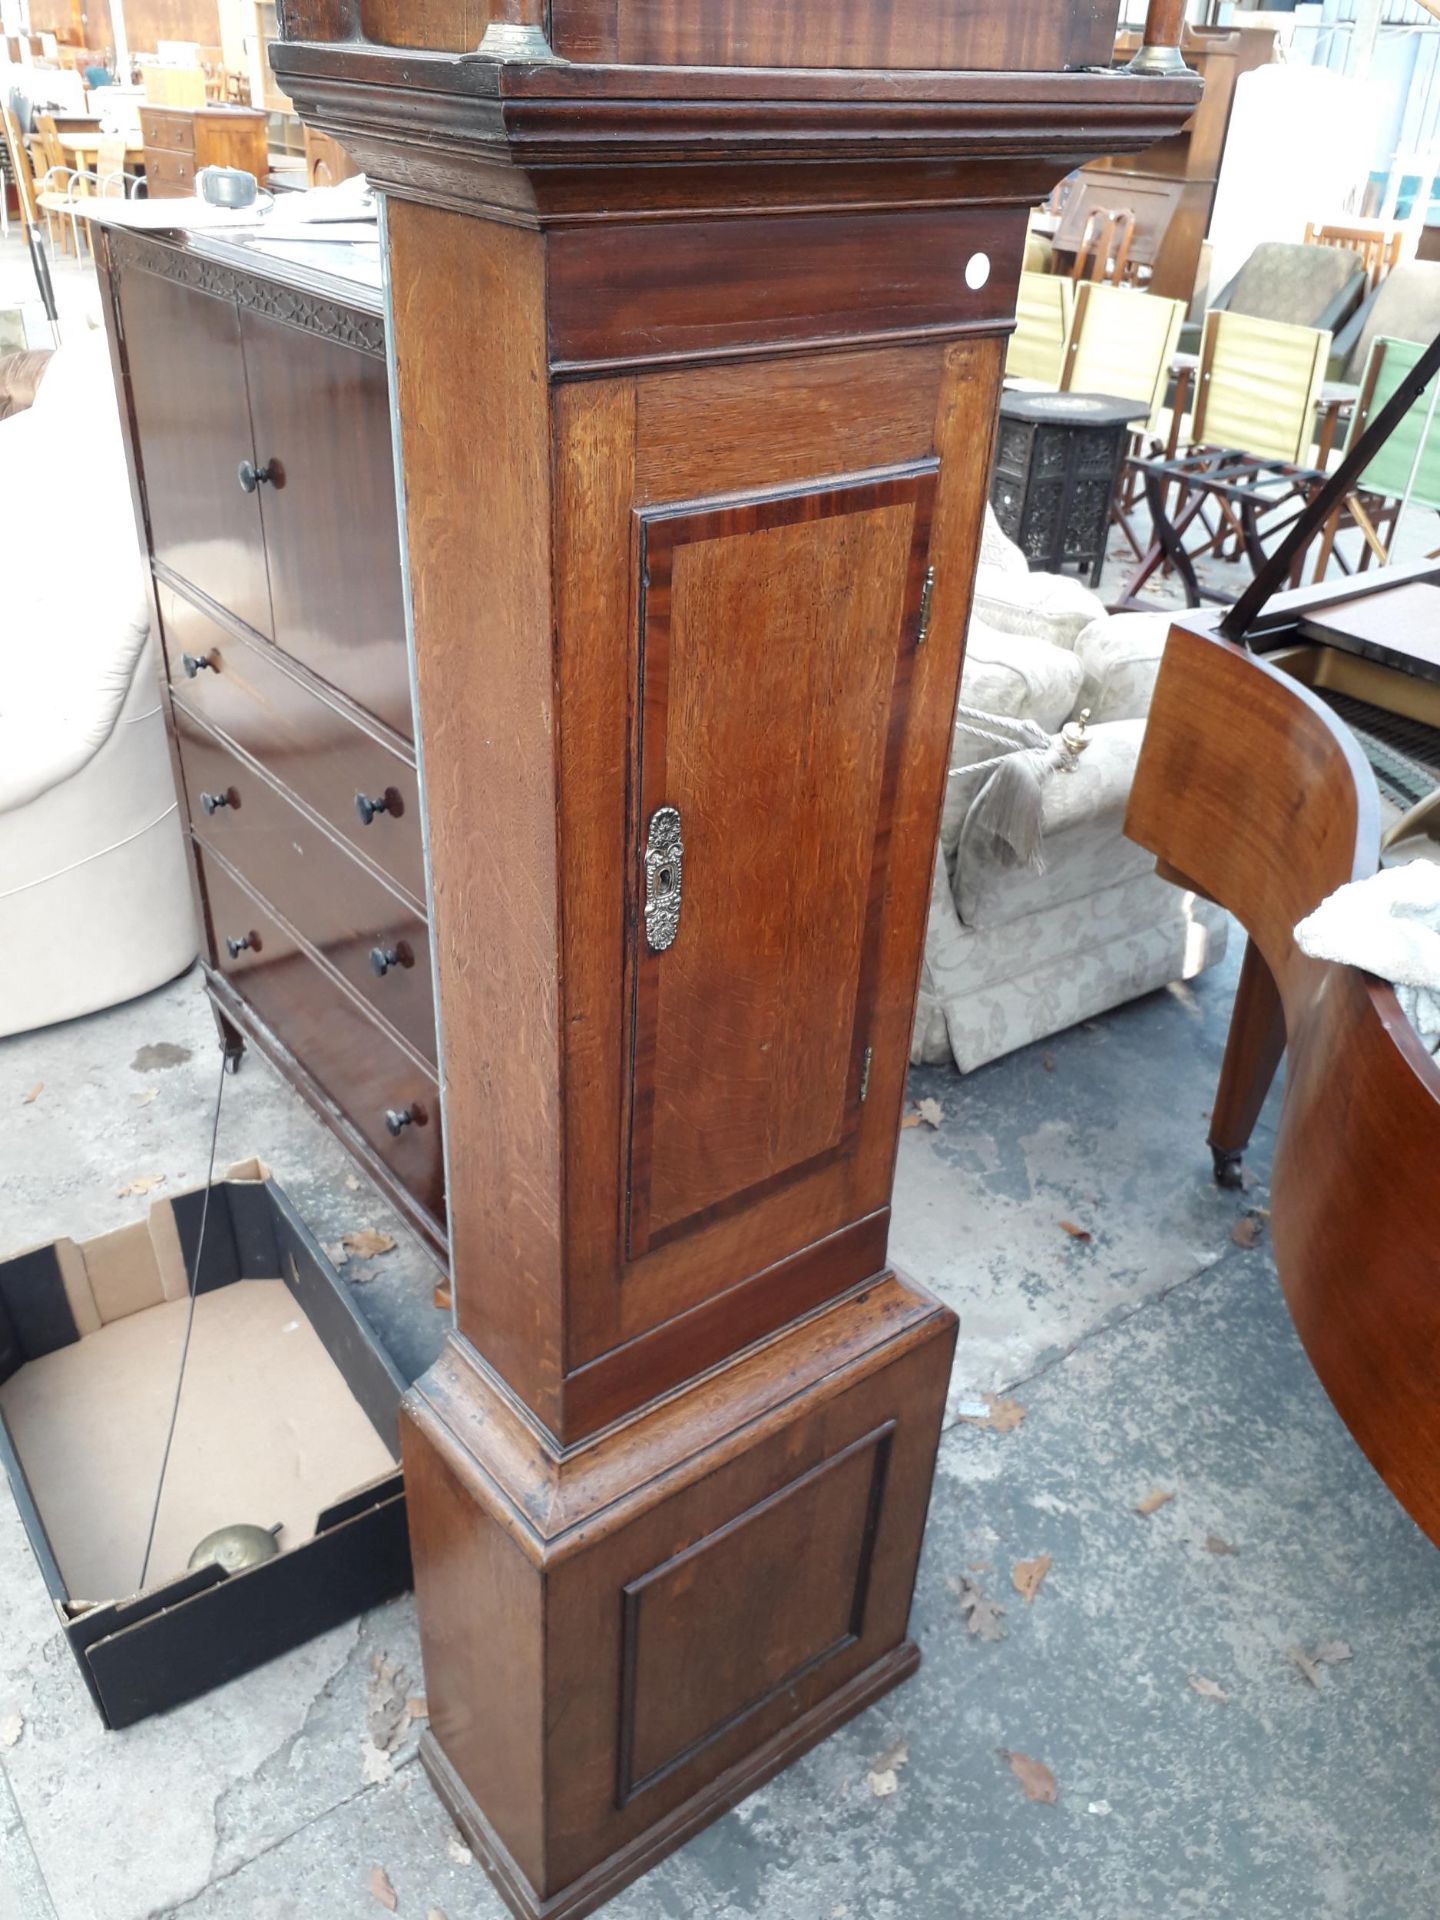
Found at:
(1006, 817)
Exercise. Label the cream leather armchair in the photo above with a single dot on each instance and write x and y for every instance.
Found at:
(1012, 955)
(95, 902)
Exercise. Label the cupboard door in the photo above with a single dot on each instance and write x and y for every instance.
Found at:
(776, 643)
(187, 386)
(321, 414)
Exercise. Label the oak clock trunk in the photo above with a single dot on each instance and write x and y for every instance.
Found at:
(697, 316)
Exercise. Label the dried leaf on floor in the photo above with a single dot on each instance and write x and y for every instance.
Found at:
(366, 1242)
(1330, 1653)
(931, 1112)
(418, 1707)
(1027, 1577)
(1214, 1544)
(12, 1725)
(1075, 1232)
(999, 1415)
(34, 1094)
(444, 1299)
(335, 1253)
(1037, 1782)
(146, 1183)
(983, 1617)
(883, 1778)
(380, 1887)
(1247, 1230)
(387, 1713)
(1153, 1502)
(376, 1766)
(352, 1183)
(910, 1120)
(459, 1852)
(1209, 1689)
(144, 1099)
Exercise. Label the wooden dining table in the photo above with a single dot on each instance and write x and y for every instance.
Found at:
(82, 151)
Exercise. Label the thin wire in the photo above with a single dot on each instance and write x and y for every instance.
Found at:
(194, 1283)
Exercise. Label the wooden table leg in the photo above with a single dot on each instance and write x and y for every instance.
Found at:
(1252, 1057)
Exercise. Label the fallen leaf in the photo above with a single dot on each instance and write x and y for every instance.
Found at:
(983, 1617)
(418, 1707)
(1214, 1544)
(380, 1887)
(34, 1094)
(1027, 1577)
(144, 1099)
(1000, 1416)
(931, 1112)
(147, 1183)
(910, 1120)
(12, 1725)
(387, 1713)
(894, 1757)
(882, 1785)
(1037, 1782)
(366, 1242)
(1075, 1233)
(444, 1298)
(1153, 1502)
(1208, 1689)
(376, 1766)
(458, 1851)
(1247, 1231)
(352, 1183)
(883, 1777)
(335, 1253)
(1047, 1061)
(1329, 1654)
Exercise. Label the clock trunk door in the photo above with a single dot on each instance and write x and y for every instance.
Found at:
(776, 642)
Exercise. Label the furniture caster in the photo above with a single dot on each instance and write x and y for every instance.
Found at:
(1229, 1167)
(233, 1058)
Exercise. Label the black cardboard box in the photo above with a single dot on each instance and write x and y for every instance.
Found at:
(288, 1415)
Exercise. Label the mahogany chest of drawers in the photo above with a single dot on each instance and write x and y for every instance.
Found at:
(259, 434)
(181, 140)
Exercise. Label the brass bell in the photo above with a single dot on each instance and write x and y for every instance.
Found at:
(236, 1548)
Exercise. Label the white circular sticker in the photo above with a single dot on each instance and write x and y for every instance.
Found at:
(977, 271)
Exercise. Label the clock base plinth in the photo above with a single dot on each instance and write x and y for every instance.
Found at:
(602, 1883)
(623, 1640)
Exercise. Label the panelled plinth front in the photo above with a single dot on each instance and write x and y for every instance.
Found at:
(688, 1604)
(696, 358)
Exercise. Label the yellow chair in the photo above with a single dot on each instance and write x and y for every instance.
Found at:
(1122, 342)
(1259, 386)
(1042, 329)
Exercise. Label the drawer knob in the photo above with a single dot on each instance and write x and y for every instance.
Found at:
(194, 663)
(396, 1121)
(236, 944)
(212, 802)
(382, 959)
(252, 476)
(367, 806)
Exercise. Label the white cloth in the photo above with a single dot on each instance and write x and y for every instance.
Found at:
(1390, 926)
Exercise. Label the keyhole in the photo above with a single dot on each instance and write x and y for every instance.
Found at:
(667, 879)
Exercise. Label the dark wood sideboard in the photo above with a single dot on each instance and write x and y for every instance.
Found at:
(258, 422)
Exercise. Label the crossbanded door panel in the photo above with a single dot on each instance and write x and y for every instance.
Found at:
(776, 642)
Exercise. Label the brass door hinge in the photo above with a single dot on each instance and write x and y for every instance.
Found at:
(927, 593)
(865, 1064)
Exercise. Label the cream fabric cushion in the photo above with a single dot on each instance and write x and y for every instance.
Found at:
(1046, 606)
(1120, 657)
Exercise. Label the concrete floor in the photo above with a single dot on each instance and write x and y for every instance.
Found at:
(1154, 1357)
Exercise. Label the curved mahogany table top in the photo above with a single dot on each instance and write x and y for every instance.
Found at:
(1250, 789)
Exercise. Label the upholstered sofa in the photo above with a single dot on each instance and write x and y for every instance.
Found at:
(95, 901)
(1013, 955)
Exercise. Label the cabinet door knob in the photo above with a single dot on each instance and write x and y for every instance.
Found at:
(382, 959)
(212, 802)
(194, 663)
(367, 805)
(236, 944)
(252, 476)
(396, 1121)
